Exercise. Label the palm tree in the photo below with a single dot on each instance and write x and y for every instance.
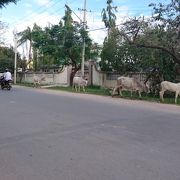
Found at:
(3, 3)
(26, 36)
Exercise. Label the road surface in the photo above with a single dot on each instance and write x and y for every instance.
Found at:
(54, 135)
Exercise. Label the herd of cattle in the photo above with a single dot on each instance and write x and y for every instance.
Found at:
(124, 84)
(132, 84)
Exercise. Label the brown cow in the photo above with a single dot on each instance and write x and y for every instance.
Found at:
(130, 84)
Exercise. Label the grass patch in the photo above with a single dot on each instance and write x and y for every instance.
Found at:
(97, 90)
(89, 90)
(26, 84)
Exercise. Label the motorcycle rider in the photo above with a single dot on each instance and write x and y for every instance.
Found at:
(7, 76)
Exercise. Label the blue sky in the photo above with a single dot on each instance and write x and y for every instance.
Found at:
(45, 12)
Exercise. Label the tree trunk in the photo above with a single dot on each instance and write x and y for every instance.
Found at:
(73, 72)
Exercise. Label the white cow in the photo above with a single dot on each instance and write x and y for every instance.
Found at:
(130, 84)
(169, 86)
(79, 82)
(37, 80)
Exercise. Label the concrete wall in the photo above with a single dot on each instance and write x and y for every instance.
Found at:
(95, 77)
(59, 79)
(100, 78)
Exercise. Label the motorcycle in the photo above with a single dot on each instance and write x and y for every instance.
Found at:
(5, 84)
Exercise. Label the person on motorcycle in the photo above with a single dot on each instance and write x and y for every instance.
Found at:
(7, 76)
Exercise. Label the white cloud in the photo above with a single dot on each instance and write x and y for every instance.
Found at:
(40, 19)
(43, 2)
(96, 30)
(94, 22)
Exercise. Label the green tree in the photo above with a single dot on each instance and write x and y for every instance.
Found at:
(47, 43)
(74, 34)
(108, 15)
(59, 45)
(109, 57)
(7, 59)
(120, 56)
(161, 32)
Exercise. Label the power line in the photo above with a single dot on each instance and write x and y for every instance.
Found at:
(91, 30)
(42, 18)
(105, 28)
(71, 2)
(54, 13)
(33, 15)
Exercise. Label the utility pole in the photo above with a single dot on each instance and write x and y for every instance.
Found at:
(84, 27)
(15, 57)
(84, 43)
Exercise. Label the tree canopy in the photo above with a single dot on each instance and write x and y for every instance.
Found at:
(142, 44)
(7, 59)
(58, 45)
(161, 32)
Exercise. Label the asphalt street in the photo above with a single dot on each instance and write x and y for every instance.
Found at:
(55, 135)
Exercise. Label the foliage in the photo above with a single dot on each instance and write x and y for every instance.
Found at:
(7, 59)
(118, 55)
(58, 45)
(146, 45)
(161, 32)
(109, 57)
(3, 3)
(108, 15)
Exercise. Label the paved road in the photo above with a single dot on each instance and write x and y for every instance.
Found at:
(49, 135)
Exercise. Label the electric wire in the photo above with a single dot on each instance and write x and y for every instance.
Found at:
(33, 15)
(50, 4)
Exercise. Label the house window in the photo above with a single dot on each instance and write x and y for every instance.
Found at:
(56, 70)
(45, 70)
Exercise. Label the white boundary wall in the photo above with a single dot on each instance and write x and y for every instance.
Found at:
(106, 79)
(95, 77)
(59, 79)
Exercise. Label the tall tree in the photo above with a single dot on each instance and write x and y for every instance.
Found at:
(25, 37)
(59, 45)
(161, 32)
(74, 34)
(108, 15)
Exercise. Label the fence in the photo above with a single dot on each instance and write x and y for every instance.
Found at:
(59, 79)
(108, 79)
(95, 77)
